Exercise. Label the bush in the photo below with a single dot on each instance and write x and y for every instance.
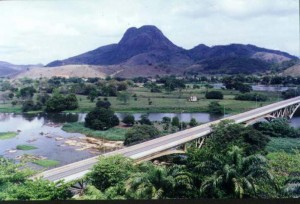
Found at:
(101, 119)
(175, 122)
(214, 95)
(31, 106)
(215, 108)
(291, 93)
(103, 104)
(145, 120)
(244, 88)
(193, 122)
(128, 120)
(251, 97)
(277, 128)
(140, 133)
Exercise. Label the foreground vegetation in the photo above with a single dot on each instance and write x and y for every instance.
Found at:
(7, 135)
(235, 162)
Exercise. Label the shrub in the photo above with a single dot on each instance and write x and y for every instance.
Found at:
(251, 97)
(103, 104)
(193, 122)
(128, 120)
(214, 95)
(140, 133)
(215, 108)
(31, 106)
(145, 120)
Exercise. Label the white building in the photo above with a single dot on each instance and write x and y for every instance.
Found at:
(193, 99)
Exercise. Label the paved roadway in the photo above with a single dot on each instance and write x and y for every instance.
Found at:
(79, 169)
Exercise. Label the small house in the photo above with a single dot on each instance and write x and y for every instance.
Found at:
(193, 99)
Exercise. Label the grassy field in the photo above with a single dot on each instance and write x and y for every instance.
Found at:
(283, 144)
(46, 162)
(25, 147)
(113, 134)
(176, 102)
(7, 135)
(165, 102)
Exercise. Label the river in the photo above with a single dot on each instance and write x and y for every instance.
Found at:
(44, 132)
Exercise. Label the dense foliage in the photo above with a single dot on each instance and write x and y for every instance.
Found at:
(58, 103)
(278, 128)
(214, 95)
(15, 185)
(228, 166)
(215, 108)
(101, 119)
(251, 97)
(140, 133)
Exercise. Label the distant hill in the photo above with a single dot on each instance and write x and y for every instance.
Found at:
(145, 51)
(9, 70)
(293, 71)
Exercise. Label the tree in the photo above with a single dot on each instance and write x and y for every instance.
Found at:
(92, 95)
(175, 122)
(193, 122)
(251, 97)
(101, 119)
(145, 120)
(244, 88)
(277, 128)
(27, 92)
(103, 104)
(215, 108)
(56, 103)
(124, 97)
(290, 93)
(59, 103)
(15, 185)
(110, 171)
(151, 182)
(166, 120)
(214, 95)
(71, 102)
(234, 176)
(140, 133)
(128, 120)
(31, 106)
(227, 134)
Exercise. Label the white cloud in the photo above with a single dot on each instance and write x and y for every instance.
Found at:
(43, 31)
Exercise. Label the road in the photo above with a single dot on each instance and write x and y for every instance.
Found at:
(77, 170)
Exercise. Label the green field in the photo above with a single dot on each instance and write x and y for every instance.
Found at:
(165, 102)
(25, 147)
(46, 162)
(7, 135)
(113, 134)
(288, 145)
(176, 102)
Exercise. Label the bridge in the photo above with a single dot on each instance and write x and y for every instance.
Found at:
(173, 143)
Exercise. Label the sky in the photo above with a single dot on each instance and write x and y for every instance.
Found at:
(41, 31)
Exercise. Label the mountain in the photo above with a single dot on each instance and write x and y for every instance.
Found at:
(145, 51)
(293, 70)
(8, 69)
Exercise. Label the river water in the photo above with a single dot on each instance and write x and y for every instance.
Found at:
(44, 132)
(271, 88)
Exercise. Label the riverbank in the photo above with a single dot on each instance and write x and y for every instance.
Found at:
(113, 134)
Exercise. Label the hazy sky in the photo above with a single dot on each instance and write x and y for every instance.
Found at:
(40, 31)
